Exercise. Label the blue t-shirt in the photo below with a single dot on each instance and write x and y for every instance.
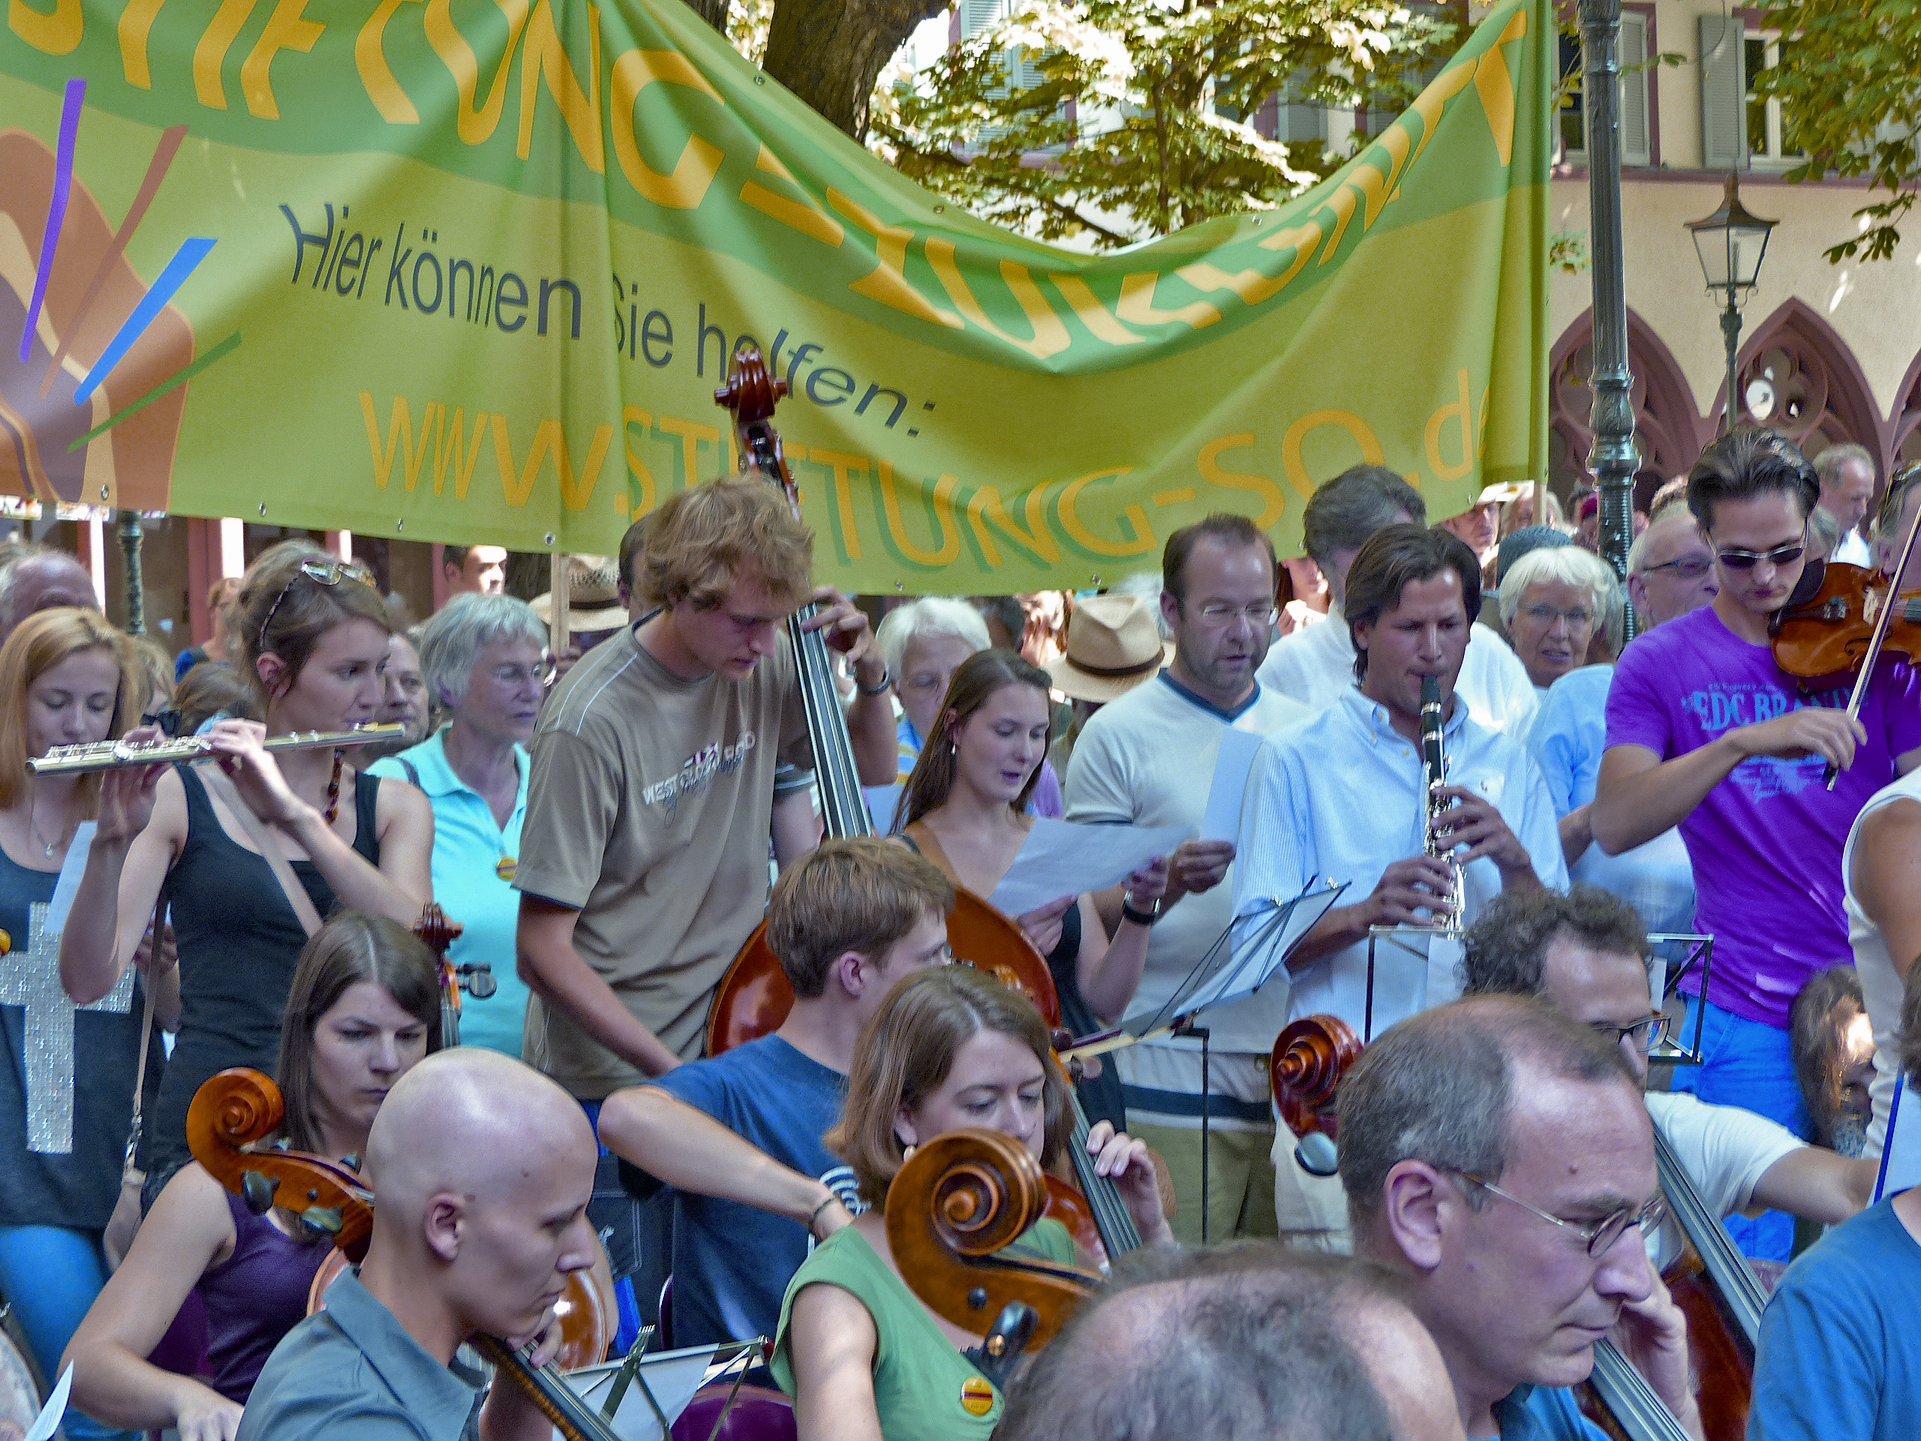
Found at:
(732, 1262)
(1840, 1354)
(1543, 1413)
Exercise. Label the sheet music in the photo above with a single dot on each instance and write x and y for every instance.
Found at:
(672, 1376)
(1062, 858)
(1222, 819)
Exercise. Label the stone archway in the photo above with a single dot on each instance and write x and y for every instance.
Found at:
(1810, 387)
(1904, 421)
(1668, 431)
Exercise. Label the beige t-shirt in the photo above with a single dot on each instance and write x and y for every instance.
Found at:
(648, 808)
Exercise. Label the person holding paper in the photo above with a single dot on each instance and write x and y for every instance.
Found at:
(1840, 1356)
(1143, 760)
(1343, 796)
(964, 809)
(67, 1077)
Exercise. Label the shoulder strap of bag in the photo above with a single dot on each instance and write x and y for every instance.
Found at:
(217, 783)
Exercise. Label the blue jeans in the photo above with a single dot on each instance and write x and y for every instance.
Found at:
(1747, 1063)
(50, 1275)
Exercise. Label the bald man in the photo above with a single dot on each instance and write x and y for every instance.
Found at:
(41, 580)
(483, 1167)
(1268, 1342)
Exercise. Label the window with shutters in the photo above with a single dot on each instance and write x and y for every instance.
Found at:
(1762, 117)
(1637, 93)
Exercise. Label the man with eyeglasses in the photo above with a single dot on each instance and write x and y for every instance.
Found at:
(1670, 568)
(1705, 731)
(1498, 1154)
(1147, 759)
(1587, 953)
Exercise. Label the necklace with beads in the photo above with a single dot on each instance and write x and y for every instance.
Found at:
(333, 789)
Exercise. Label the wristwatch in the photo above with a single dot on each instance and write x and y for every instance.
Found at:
(1131, 912)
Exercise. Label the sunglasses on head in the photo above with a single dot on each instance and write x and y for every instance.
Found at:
(325, 572)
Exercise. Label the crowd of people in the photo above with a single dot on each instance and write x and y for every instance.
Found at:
(612, 823)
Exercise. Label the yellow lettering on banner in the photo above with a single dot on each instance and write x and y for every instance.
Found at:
(985, 505)
(841, 464)
(56, 32)
(887, 282)
(699, 160)
(1341, 203)
(135, 23)
(1050, 336)
(944, 520)
(634, 415)
(1377, 185)
(1142, 539)
(211, 52)
(1250, 285)
(400, 436)
(1460, 410)
(376, 76)
(517, 486)
(1428, 104)
(1273, 503)
(546, 58)
(691, 432)
(804, 215)
(1087, 307)
(475, 127)
(287, 29)
(1313, 420)
(1137, 305)
(450, 449)
(1496, 86)
(1480, 427)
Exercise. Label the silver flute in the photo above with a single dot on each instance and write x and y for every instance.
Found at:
(1434, 763)
(119, 755)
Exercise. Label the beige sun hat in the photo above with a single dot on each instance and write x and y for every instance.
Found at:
(1113, 644)
(593, 596)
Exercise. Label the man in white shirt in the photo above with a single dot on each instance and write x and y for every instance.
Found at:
(1147, 759)
(1586, 952)
(1847, 486)
(1343, 797)
(1316, 665)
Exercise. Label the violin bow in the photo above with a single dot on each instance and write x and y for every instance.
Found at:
(1880, 634)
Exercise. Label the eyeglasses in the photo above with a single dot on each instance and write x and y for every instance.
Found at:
(1219, 615)
(1646, 1033)
(326, 572)
(515, 677)
(1599, 1235)
(1688, 567)
(926, 684)
(167, 720)
(1737, 559)
(1546, 615)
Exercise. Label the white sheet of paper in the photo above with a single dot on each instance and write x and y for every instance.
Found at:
(48, 1421)
(1060, 858)
(70, 873)
(1222, 819)
(1901, 1152)
(672, 1376)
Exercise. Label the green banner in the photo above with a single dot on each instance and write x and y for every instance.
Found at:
(471, 272)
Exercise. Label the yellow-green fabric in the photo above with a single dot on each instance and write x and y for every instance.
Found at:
(918, 1375)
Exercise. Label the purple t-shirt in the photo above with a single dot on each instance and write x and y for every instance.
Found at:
(1766, 842)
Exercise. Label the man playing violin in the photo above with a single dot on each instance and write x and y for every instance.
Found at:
(1586, 952)
(738, 1136)
(483, 1169)
(1708, 732)
(1498, 1154)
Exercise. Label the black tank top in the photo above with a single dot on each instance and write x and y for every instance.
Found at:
(239, 941)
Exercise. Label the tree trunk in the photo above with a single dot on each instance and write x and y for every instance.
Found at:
(714, 12)
(830, 52)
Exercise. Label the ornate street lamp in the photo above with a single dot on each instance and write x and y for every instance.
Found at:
(1731, 244)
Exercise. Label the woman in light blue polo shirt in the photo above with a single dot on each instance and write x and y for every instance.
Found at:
(486, 668)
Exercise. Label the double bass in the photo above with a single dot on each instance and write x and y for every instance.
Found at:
(754, 996)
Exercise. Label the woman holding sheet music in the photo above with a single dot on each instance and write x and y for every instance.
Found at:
(963, 808)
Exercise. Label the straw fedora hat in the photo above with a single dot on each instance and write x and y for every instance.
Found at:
(1113, 644)
(593, 596)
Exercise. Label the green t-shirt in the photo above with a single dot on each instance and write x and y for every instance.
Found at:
(918, 1375)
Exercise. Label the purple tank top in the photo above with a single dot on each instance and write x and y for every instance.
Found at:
(254, 1297)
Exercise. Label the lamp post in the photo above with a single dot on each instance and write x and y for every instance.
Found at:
(1731, 243)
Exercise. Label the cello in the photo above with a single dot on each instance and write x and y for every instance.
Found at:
(236, 1110)
(754, 996)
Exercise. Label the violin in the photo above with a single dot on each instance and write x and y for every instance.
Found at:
(235, 1111)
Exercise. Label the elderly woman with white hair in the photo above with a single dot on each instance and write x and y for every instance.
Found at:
(1553, 602)
(486, 667)
(923, 643)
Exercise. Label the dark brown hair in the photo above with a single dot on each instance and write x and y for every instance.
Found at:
(209, 688)
(975, 679)
(307, 609)
(1745, 464)
(906, 1050)
(861, 895)
(350, 948)
(1817, 1024)
(1393, 558)
(1506, 948)
(1228, 529)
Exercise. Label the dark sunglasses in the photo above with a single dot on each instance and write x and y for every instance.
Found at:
(1735, 559)
(167, 720)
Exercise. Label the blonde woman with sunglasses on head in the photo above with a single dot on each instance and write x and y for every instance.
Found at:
(313, 637)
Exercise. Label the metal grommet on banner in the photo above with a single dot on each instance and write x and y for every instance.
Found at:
(400, 524)
(550, 537)
(263, 507)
